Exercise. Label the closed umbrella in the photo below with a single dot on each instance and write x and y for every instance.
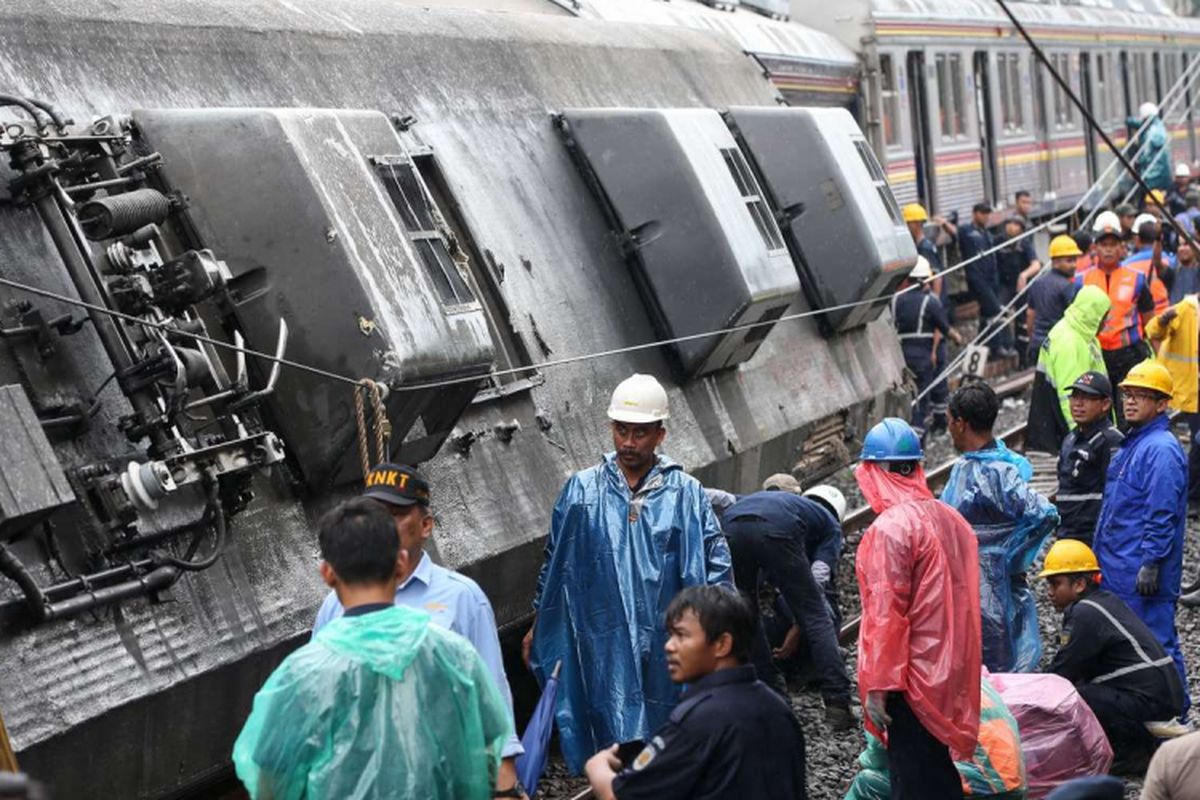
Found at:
(536, 739)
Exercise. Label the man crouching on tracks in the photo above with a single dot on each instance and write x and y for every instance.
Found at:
(919, 642)
(1114, 660)
(625, 537)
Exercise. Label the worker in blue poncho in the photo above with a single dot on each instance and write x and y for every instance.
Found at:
(989, 487)
(625, 537)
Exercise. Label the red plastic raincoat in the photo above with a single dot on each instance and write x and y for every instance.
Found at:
(918, 575)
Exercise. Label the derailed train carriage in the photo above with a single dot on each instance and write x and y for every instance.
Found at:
(436, 199)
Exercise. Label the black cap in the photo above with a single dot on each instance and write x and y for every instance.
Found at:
(1125, 210)
(397, 485)
(982, 208)
(1093, 383)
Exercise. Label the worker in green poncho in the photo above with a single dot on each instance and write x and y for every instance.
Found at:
(1070, 349)
(381, 703)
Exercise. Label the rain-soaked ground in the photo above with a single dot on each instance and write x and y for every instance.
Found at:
(832, 756)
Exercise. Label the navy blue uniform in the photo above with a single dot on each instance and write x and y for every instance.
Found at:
(769, 533)
(1082, 465)
(916, 315)
(983, 277)
(729, 737)
(1120, 669)
(1049, 297)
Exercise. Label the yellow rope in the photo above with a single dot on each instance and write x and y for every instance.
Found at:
(8, 759)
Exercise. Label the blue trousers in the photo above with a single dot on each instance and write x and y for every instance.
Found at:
(1159, 615)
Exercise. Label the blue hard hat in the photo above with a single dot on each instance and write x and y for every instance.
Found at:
(892, 440)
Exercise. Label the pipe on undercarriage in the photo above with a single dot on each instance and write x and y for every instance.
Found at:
(149, 583)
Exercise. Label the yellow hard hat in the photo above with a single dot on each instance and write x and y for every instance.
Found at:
(915, 212)
(1158, 194)
(1149, 375)
(1067, 556)
(1064, 245)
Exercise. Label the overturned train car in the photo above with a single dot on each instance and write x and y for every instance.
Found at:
(442, 201)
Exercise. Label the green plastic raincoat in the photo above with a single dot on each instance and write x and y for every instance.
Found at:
(1069, 351)
(995, 771)
(378, 705)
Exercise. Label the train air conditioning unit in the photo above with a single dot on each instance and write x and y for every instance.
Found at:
(696, 230)
(834, 206)
(325, 223)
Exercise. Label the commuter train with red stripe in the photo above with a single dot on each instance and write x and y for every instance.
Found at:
(955, 103)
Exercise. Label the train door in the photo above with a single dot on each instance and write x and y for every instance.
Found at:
(918, 99)
(987, 127)
(1088, 97)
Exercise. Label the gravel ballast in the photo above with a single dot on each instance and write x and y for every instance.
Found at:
(832, 756)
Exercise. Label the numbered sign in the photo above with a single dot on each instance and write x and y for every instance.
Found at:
(975, 360)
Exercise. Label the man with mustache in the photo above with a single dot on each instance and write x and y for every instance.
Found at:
(626, 536)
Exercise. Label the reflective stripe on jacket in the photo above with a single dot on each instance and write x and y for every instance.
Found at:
(1141, 261)
(1123, 286)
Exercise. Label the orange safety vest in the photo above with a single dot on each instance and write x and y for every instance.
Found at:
(1158, 289)
(1123, 325)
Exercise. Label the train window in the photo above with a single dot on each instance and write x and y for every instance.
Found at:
(1142, 87)
(890, 99)
(950, 95)
(1104, 88)
(752, 195)
(423, 223)
(1170, 65)
(1012, 110)
(880, 179)
(485, 278)
(1064, 109)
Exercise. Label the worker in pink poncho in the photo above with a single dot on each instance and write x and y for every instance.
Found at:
(919, 647)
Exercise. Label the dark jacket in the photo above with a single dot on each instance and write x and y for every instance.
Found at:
(730, 737)
(972, 241)
(916, 315)
(1082, 464)
(789, 515)
(1104, 642)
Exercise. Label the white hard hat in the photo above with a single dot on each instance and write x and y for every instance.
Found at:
(831, 497)
(1106, 222)
(1182, 170)
(638, 399)
(1142, 219)
(922, 271)
(1147, 110)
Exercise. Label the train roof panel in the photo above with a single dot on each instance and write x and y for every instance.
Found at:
(754, 33)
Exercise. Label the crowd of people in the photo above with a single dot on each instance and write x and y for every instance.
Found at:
(671, 677)
(672, 681)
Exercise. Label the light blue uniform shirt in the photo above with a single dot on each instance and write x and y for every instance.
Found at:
(456, 603)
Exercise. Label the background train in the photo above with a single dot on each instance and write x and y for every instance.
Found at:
(957, 107)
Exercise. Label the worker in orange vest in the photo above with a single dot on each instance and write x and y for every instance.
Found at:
(1121, 337)
(1149, 259)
